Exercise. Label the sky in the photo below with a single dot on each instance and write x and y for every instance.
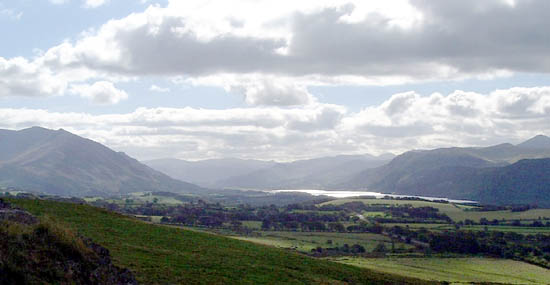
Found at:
(277, 80)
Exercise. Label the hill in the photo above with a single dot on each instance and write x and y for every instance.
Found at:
(460, 173)
(61, 163)
(524, 182)
(167, 255)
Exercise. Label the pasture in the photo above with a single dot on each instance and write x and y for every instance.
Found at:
(457, 270)
(457, 212)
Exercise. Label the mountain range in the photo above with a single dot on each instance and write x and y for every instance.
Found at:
(257, 174)
(58, 162)
(61, 163)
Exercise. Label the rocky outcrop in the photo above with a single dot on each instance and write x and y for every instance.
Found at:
(8, 213)
(36, 252)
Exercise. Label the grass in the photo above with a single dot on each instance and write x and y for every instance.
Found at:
(457, 212)
(255, 225)
(306, 241)
(458, 270)
(519, 230)
(501, 228)
(167, 255)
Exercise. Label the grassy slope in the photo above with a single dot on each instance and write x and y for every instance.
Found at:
(165, 255)
(463, 270)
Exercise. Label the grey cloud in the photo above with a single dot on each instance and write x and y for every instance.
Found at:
(167, 51)
(470, 36)
(459, 38)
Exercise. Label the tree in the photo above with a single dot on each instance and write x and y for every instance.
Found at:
(266, 224)
(380, 247)
(357, 248)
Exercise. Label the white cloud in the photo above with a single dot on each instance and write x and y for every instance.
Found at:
(10, 14)
(101, 92)
(59, 2)
(403, 122)
(156, 88)
(20, 77)
(95, 3)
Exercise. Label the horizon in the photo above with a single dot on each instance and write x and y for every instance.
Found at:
(290, 161)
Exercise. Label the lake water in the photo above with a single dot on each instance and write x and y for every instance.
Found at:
(348, 194)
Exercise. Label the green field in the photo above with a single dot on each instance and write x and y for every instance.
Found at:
(457, 270)
(502, 228)
(138, 198)
(456, 212)
(255, 225)
(168, 255)
(306, 241)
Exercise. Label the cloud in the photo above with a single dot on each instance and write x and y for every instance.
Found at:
(403, 122)
(87, 3)
(20, 77)
(59, 2)
(10, 14)
(445, 42)
(296, 45)
(95, 3)
(101, 92)
(156, 88)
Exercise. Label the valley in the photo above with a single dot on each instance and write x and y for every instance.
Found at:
(469, 210)
(429, 240)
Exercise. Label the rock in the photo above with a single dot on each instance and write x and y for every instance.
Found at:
(9, 213)
(43, 256)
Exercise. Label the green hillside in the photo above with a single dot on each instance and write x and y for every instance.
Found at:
(165, 255)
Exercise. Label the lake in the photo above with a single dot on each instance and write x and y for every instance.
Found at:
(348, 194)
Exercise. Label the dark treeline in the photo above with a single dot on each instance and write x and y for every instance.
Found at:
(531, 248)
(293, 217)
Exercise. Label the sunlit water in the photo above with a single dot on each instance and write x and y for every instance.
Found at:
(347, 194)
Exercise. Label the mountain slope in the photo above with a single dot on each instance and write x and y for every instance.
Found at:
(58, 162)
(524, 182)
(167, 255)
(414, 170)
(460, 173)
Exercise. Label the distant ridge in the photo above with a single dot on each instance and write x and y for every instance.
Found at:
(537, 142)
(61, 163)
(207, 172)
(258, 174)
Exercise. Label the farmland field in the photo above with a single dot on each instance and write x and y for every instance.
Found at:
(457, 212)
(500, 228)
(306, 241)
(457, 270)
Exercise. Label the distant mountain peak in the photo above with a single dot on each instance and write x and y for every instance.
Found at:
(59, 162)
(537, 142)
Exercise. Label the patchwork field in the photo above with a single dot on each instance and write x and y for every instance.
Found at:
(457, 212)
(306, 241)
(457, 270)
(503, 228)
